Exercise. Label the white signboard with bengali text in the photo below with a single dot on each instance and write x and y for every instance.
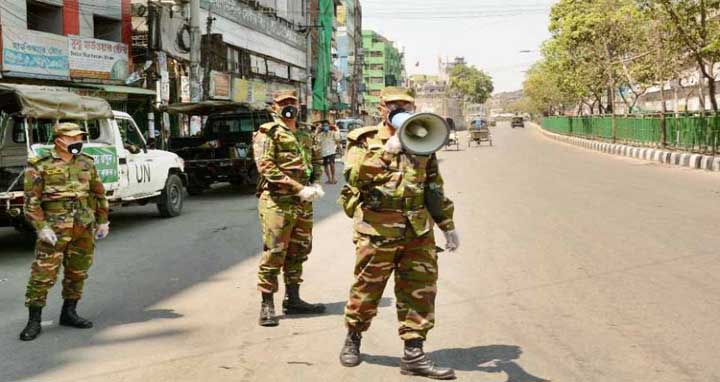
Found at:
(32, 53)
(93, 58)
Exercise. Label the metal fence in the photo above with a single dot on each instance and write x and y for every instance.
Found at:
(694, 133)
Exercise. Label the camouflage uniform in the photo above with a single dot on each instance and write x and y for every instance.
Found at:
(286, 163)
(394, 232)
(69, 198)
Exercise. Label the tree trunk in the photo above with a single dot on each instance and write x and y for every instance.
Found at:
(626, 102)
(712, 89)
(663, 124)
(611, 102)
(701, 89)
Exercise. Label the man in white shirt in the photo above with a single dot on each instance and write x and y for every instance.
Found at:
(328, 140)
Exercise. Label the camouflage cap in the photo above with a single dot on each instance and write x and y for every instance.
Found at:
(68, 129)
(282, 95)
(392, 93)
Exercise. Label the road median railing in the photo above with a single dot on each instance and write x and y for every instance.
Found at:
(687, 132)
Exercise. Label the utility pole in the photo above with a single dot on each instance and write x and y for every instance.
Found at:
(208, 46)
(308, 63)
(195, 41)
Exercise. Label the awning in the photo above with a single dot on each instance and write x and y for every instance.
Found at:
(43, 104)
(118, 89)
(208, 107)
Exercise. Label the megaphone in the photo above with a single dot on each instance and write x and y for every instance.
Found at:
(421, 133)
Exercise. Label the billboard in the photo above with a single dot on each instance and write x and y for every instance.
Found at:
(100, 59)
(34, 54)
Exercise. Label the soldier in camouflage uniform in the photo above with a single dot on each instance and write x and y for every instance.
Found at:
(65, 202)
(393, 225)
(288, 165)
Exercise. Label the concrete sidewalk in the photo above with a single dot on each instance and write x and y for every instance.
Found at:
(668, 157)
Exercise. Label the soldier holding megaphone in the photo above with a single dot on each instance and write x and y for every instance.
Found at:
(395, 195)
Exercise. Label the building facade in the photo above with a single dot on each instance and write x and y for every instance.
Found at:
(350, 57)
(433, 94)
(384, 65)
(249, 50)
(72, 45)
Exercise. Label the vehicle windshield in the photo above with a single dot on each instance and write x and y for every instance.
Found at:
(42, 130)
(234, 126)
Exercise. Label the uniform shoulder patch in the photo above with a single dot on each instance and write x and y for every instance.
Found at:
(37, 159)
(358, 134)
(266, 127)
(88, 156)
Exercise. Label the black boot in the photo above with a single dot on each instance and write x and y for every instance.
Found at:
(350, 353)
(69, 316)
(267, 311)
(416, 362)
(293, 304)
(33, 328)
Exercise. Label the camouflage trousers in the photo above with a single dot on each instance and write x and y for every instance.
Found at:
(414, 261)
(287, 239)
(74, 250)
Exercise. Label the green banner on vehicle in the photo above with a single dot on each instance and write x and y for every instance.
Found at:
(106, 161)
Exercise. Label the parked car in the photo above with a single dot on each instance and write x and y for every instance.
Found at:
(345, 126)
(222, 152)
(517, 122)
(131, 173)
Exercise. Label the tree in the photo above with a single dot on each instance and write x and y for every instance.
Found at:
(472, 83)
(595, 41)
(543, 92)
(667, 54)
(697, 26)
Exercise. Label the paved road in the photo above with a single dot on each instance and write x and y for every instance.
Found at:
(575, 266)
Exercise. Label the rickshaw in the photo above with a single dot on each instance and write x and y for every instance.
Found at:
(453, 139)
(479, 133)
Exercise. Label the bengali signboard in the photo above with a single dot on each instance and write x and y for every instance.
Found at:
(106, 161)
(247, 16)
(256, 92)
(220, 85)
(34, 54)
(100, 59)
(240, 90)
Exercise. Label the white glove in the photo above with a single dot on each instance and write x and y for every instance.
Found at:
(47, 235)
(393, 145)
(452, 240)
(308, 193)
(319, 192)
(102, 231)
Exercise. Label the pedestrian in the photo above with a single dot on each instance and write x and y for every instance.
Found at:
(65, 202)
(328, 138)
(398, 198)
(289, 168)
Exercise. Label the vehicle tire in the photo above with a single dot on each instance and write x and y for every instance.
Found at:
(170, 202)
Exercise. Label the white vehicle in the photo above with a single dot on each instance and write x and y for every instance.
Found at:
(131, 173)
(345, 126)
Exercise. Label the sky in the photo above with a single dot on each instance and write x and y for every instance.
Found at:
(490, 34)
